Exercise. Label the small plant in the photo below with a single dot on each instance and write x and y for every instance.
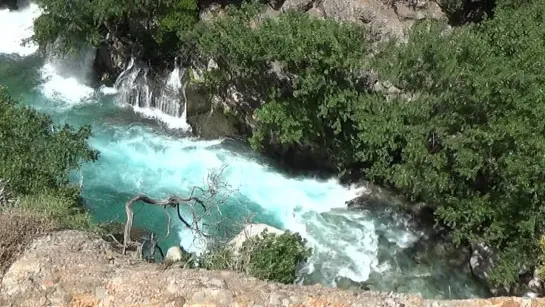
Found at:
(218, 259)
(274, 257)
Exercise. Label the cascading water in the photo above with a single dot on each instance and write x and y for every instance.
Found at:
(136, 157)
(164, 101)
(68, 71)
(17, 26)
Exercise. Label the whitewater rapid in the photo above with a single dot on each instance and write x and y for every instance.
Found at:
(138, 156)
(17, 26)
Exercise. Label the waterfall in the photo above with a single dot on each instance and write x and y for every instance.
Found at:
(17, 26)
(162, 99)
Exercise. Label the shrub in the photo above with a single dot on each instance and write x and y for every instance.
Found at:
(221, 258)
(470, 140)
(36, 158)
(266, 257)
(17, 229)
(156, 25)
(321, 58)
(274, 257)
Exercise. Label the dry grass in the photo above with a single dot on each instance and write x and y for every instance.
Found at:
(17, 228)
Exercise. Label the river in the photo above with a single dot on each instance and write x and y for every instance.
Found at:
(140, 154)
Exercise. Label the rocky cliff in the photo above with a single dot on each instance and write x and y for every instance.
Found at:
(72, 268)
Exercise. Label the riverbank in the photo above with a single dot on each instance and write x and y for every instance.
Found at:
(41, 276)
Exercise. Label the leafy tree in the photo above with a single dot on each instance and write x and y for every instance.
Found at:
(465, 137)
(473, 134)
(36, 158)
(156, 25)
(307, 70)
(37, 155)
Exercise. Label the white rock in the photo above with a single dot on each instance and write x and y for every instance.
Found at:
(252, 230)
(174, 254)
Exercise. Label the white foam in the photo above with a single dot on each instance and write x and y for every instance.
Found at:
(345, 243)
(172, 122)
(163, 104)
(68, 90)
(15, 27)
(106, 90)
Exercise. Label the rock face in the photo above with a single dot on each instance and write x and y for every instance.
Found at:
(230, 112)
(484, 259)
(72, 268)
(384, 18)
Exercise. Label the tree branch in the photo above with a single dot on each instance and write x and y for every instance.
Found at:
(207, 198)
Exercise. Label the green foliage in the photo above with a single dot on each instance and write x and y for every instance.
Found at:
(468, 141)
(62, 207)
(542, 256)
(221, 258)
(36, 158)
(323, 59)
(36, 155)
(266, 257)
(274, 257)
(154, 24)
(474, 133)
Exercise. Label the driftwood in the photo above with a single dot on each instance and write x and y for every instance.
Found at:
(207, 199)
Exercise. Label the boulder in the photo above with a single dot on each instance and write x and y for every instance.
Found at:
(482, 261)
(252, 230)
(111, 57)
(174, 254)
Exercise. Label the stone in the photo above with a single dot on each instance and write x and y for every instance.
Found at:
(298, 5)
(285, 302)
(82, 279)
(216, 283)
(252, 230)
(482, 262)
(274, 299)
(222, 297)
(101, 293)
(198, 297)
(178, 301)
(174, 254)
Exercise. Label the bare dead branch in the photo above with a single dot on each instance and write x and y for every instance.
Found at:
(210, 196)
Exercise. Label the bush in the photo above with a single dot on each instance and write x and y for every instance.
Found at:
(274, 257)
(37, 156)
(321, 58)
(17, 229)
(221, 258)
(36, 159)
(156, 25)
(266, 257)
(468, 141)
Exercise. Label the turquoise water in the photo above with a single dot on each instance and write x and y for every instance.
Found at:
(142, 155)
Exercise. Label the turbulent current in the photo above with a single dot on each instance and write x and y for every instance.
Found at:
(139, 153)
